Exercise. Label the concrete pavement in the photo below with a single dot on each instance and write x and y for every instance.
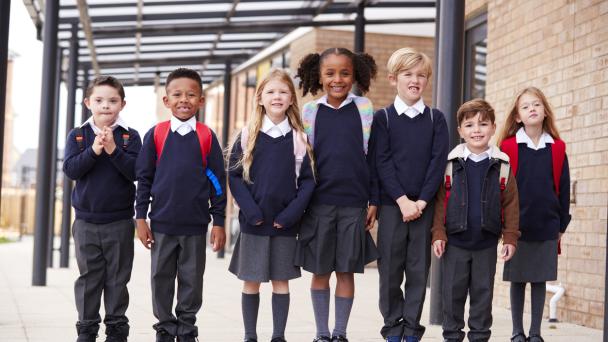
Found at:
(48, 313)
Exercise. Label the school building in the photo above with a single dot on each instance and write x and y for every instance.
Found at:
(559, 46)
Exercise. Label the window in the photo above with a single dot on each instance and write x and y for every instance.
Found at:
(476, 50)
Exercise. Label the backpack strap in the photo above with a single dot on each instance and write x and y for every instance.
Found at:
(299, 150)
(125, 139)
(79, 136)
(161, 130)
(509, 146)
(204, 139)
(558, 156)
(448, 187)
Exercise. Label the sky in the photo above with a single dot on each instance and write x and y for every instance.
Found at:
(139, 112)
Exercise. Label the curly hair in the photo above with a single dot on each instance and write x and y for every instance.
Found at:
(309, 70)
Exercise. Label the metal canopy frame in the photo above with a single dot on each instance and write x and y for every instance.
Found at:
(124, 38)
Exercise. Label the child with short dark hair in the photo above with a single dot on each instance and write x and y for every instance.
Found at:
(334, 233)
(411, 150)
(181, 167)
(476, 205)
(100, 155)
(530, 137)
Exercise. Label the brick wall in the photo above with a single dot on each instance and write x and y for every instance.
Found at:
(561, 47)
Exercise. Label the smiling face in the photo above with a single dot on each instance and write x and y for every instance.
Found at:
(105, 103)
(276, 98)
(184, 98)
(410, 83)
(477, 133)
(530, 111)
(337, 78)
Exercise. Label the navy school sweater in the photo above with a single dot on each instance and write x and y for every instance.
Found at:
(411, 154)
(181, 197)
(542, 214)
(104, 190)
(343, 169)
(272, 196)
(474, 238)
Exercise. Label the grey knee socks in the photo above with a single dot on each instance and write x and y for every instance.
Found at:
(538, 293)
(343, 307)
(250, 304)
(320, 306)
(280, 310)
(518, 296)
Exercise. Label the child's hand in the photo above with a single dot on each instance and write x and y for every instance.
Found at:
(408, 208)
(109, 145)
(144, 233)
(371, 217)
(421, 205)
(259, 223)
(277, 225)
(217, 238)
(439, 248)
(507, 252)
(97, 145)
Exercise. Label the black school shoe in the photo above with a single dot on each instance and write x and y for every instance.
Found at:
(278, 339)
(117, 332)
(86, 337)
(163, 336)
(322, 339)
(535, 338)
(520, 337)
(339, 338)
(187, 338)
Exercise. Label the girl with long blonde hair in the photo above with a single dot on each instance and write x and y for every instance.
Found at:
(271, 178)
(540, 165)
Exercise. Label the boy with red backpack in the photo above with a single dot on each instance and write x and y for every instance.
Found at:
(180, 173)
(476, 206)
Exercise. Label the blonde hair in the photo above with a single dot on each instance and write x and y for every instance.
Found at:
(254, 124)
(511, 125)
(408, 58)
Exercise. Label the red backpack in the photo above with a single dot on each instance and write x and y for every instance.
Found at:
(203, 132)
(558, 155)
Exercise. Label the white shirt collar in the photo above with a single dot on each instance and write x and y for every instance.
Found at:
(477, 157)
(177, 123)
(273, 130)
(411, 111)
(522, 138)
(119, 122)
(349, 98)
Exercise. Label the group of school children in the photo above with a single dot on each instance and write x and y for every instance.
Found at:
(309, 184)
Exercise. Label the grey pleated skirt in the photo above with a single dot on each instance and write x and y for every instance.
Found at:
(260, 258)
(333, 238)
(533, 262)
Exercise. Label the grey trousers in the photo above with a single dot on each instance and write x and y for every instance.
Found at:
(467, 272)
(405, 250)
(104, 254)
(181, 257)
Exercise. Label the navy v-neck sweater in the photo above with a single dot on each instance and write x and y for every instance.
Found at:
(104, 190)
(342, 166)
(272, 196)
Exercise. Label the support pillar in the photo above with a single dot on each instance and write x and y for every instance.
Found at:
(226, 121)
(360, 28)
(84, 115)
(5, 14)
(66, 213)
(448, 80)
(53, 173)
(44, 162)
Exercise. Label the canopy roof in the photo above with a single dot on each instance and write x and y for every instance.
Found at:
(136, 40)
